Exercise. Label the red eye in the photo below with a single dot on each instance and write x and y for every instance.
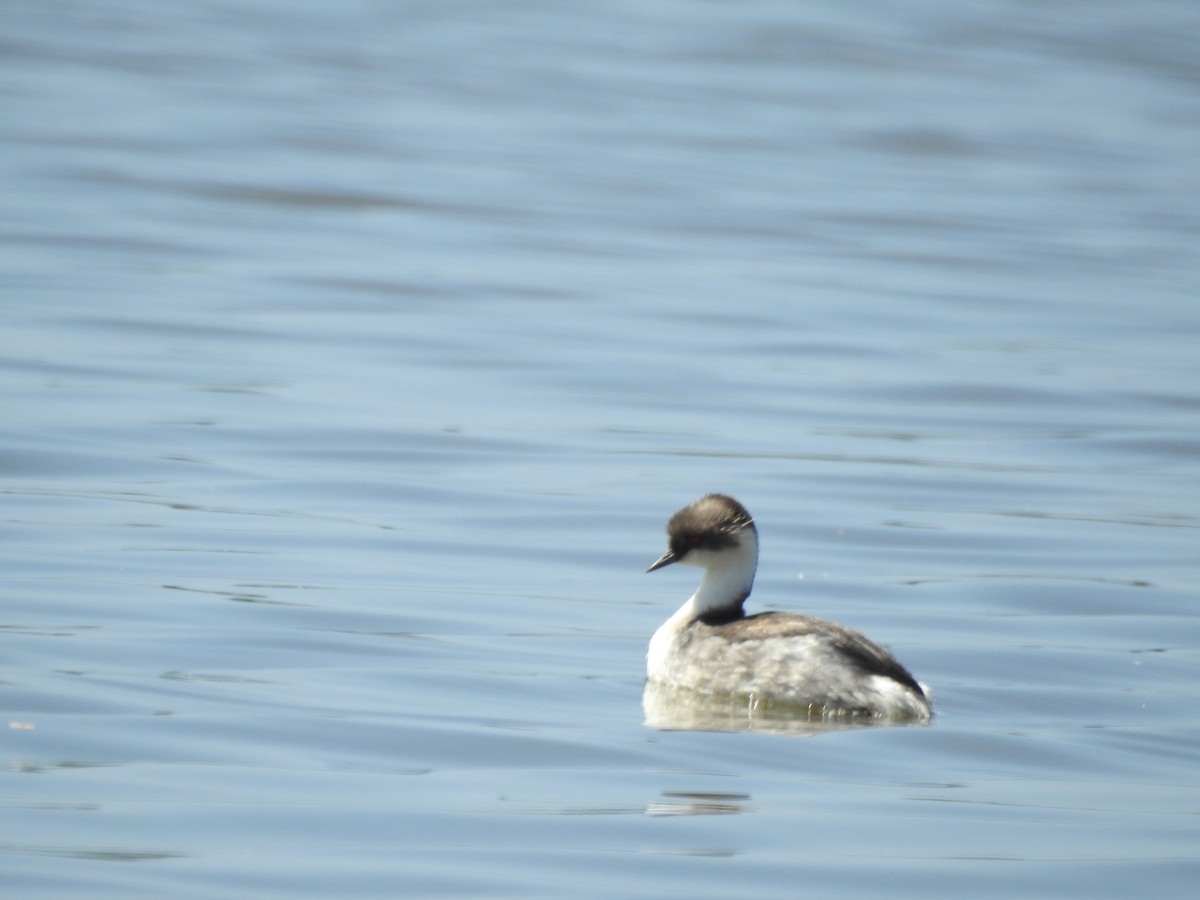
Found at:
(694, 540)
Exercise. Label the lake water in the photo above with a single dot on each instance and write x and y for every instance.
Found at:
(355, 355)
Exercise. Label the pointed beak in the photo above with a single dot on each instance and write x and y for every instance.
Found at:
(665, 560)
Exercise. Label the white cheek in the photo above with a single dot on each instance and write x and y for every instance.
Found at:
(701, 559)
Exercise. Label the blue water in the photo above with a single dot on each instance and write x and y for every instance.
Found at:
(354, 357)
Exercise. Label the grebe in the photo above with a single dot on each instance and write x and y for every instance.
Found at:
(710, 646)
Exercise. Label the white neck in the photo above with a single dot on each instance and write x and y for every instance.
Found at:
(728, 576)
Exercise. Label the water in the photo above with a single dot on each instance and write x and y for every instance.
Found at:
(355, 356)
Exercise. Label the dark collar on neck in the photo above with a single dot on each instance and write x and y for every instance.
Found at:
(725, 614)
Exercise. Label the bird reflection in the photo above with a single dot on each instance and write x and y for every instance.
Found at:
(675, 709)
(699, 803)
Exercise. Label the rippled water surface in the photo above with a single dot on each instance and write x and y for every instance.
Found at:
(354, 357)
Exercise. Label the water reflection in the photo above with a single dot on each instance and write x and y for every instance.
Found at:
(675, 709)
(699, 803)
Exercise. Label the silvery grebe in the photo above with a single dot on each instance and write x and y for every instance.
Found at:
(710, 646)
